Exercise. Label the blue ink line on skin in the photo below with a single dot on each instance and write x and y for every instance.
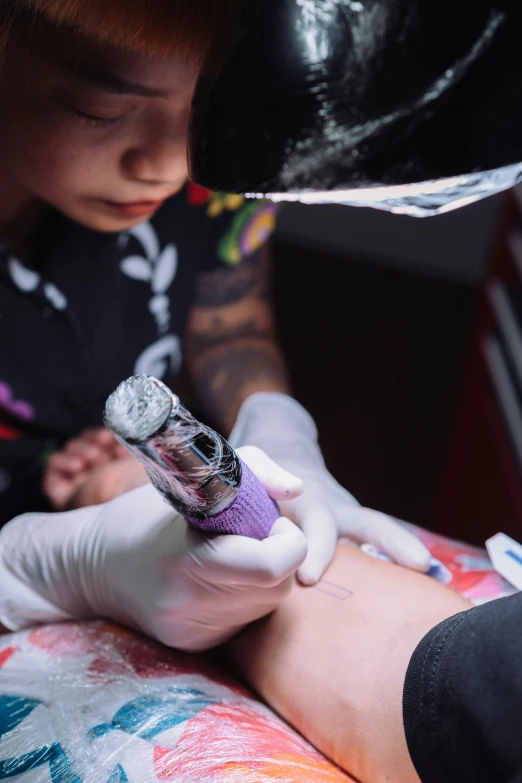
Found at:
(335, 591)
(514, 556)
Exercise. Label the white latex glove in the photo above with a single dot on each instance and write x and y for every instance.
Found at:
(325, 511)
(136, 561)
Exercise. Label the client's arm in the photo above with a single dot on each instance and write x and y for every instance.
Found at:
(334, 664)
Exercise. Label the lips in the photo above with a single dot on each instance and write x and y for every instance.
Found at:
(134, 208)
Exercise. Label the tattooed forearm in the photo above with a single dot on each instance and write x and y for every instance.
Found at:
(230, 346)
(229, 375)
(231, 284)
(223, 333)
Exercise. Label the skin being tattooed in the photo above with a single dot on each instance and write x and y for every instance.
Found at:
(230, 345)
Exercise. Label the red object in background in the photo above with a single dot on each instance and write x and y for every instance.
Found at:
(8, 433)
(482, 491)
(197, 195)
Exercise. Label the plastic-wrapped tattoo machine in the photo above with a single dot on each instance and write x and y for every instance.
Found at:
(190, 464)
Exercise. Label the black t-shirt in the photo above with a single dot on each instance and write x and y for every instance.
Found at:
(96, 308)
(462, 700)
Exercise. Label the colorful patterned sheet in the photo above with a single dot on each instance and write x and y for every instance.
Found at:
(469, 568)
(92, 703)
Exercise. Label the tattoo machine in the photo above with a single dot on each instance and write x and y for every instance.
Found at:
(190, 465)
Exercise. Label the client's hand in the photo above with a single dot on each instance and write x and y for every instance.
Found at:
(136, 561)
(91, 469)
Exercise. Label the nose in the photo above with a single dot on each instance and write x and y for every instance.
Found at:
(160, 156)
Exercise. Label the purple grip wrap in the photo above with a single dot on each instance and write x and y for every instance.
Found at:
(251, 514)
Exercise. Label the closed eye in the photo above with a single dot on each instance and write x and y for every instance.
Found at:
(93, 118)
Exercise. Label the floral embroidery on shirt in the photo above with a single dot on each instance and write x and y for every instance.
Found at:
(55, 296)
(28, 280)
(196, 195)
(18, 408)
(220, 202)
(250, 229)
(161, 358)
(156, 267)
(25, 279)
(217, 202)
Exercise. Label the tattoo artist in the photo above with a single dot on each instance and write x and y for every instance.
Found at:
(110, 265)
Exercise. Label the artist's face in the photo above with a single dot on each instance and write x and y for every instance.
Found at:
(99, 134)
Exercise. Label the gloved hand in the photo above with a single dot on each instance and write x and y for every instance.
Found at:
(136, 561)
(324, 511)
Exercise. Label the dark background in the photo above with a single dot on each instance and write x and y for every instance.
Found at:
(376, 316)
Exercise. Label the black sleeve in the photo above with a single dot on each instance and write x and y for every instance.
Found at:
(462, 702)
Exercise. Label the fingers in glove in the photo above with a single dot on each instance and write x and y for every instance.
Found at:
(371, 527)
(239, 560)
(279, 483)
(320, 529)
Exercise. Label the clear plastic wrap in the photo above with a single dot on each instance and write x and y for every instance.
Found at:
(93, 703)
(420, 199)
